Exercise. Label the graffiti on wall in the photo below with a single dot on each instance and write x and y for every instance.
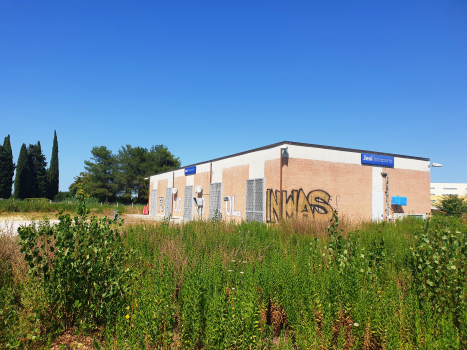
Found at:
(161, 204)
(230, 206)
(313, 205)
(178, 204)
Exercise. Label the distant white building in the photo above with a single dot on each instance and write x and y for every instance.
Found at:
(438, 189)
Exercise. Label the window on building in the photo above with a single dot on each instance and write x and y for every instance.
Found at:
(254, 199)
(433, 194)
(432, 188)
(215, 200)
(449, 188)
(433, 200)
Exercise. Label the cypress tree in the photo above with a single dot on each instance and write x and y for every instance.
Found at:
(37, 166)
(53, 174)
(7, 169)
(23, 175)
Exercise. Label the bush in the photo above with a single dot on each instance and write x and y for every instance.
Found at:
(82, 265)
(61, 196)
(452, 205)
(439, 266)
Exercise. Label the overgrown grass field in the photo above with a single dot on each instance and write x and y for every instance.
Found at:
(219, 285)
(71, 205)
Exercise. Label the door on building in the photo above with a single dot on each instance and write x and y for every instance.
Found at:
(215, 200)
(188, 204)
(378, 206)
(255, 200)
(154, 202)
(168, 202)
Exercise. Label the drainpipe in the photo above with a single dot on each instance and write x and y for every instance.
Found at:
(210, 175)
(280, 188)
(387, 195)
(173, 194)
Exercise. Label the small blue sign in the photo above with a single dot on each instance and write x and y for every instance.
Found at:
(190, 170)
(397, 200)
(376, 159)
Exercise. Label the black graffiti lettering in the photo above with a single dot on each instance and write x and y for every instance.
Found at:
(297, 204)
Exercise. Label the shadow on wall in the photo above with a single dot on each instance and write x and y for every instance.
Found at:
(397, 209)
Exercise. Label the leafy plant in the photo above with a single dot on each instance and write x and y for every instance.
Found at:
(337, 244)
(452, 205)
(83, 267)
(439, 261)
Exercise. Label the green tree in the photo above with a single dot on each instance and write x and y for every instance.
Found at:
(7, 169)
(452, 205)
(127, 170)
(38, 169)
(23, 175)
(101, 168)
(53, 173)
(157, 160)
(81, 182)
(134, 164)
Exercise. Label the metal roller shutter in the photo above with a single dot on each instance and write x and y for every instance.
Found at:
(154, 200)
(254, 200)
(168, 202)
(215, 200)
(188, 203)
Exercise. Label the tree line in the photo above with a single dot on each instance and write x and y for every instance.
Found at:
(33, 179)
(121, 176)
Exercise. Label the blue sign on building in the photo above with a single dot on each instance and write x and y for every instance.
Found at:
(190, 170)
(376, 159)
(398, 200)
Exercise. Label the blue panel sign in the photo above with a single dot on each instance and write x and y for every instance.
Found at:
(397, 200)
(376, 159)
(190, 170)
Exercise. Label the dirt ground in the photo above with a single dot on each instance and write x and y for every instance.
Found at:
(9, 223)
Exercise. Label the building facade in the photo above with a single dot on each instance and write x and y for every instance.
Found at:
(313, 179)
(439, 189)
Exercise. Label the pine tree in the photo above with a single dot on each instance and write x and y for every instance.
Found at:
(23, 175)
(53, 173)
(7, 169)
(37, 166)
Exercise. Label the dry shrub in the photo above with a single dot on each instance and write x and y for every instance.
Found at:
(319, 318)
(11, 259)
(343, 322)
(276, 317)
(369, 341)
(71, 340)
(173, 248)
(137, 209)
(316, 227)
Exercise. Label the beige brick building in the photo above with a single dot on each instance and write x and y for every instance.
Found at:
(314, 180)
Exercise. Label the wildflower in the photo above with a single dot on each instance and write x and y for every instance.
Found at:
(356, 324)
(233, 288)
(230, 270)
(127, 317)
(242, 272)
(232, 260)
(244, 262)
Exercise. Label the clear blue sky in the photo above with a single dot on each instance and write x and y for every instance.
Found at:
(212, 78)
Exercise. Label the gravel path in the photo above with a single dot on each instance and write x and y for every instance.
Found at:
(10, 226)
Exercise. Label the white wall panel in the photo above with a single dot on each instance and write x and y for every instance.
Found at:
(411, 164)
(377, 178)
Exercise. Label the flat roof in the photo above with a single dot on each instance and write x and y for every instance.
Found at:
(296, 144)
